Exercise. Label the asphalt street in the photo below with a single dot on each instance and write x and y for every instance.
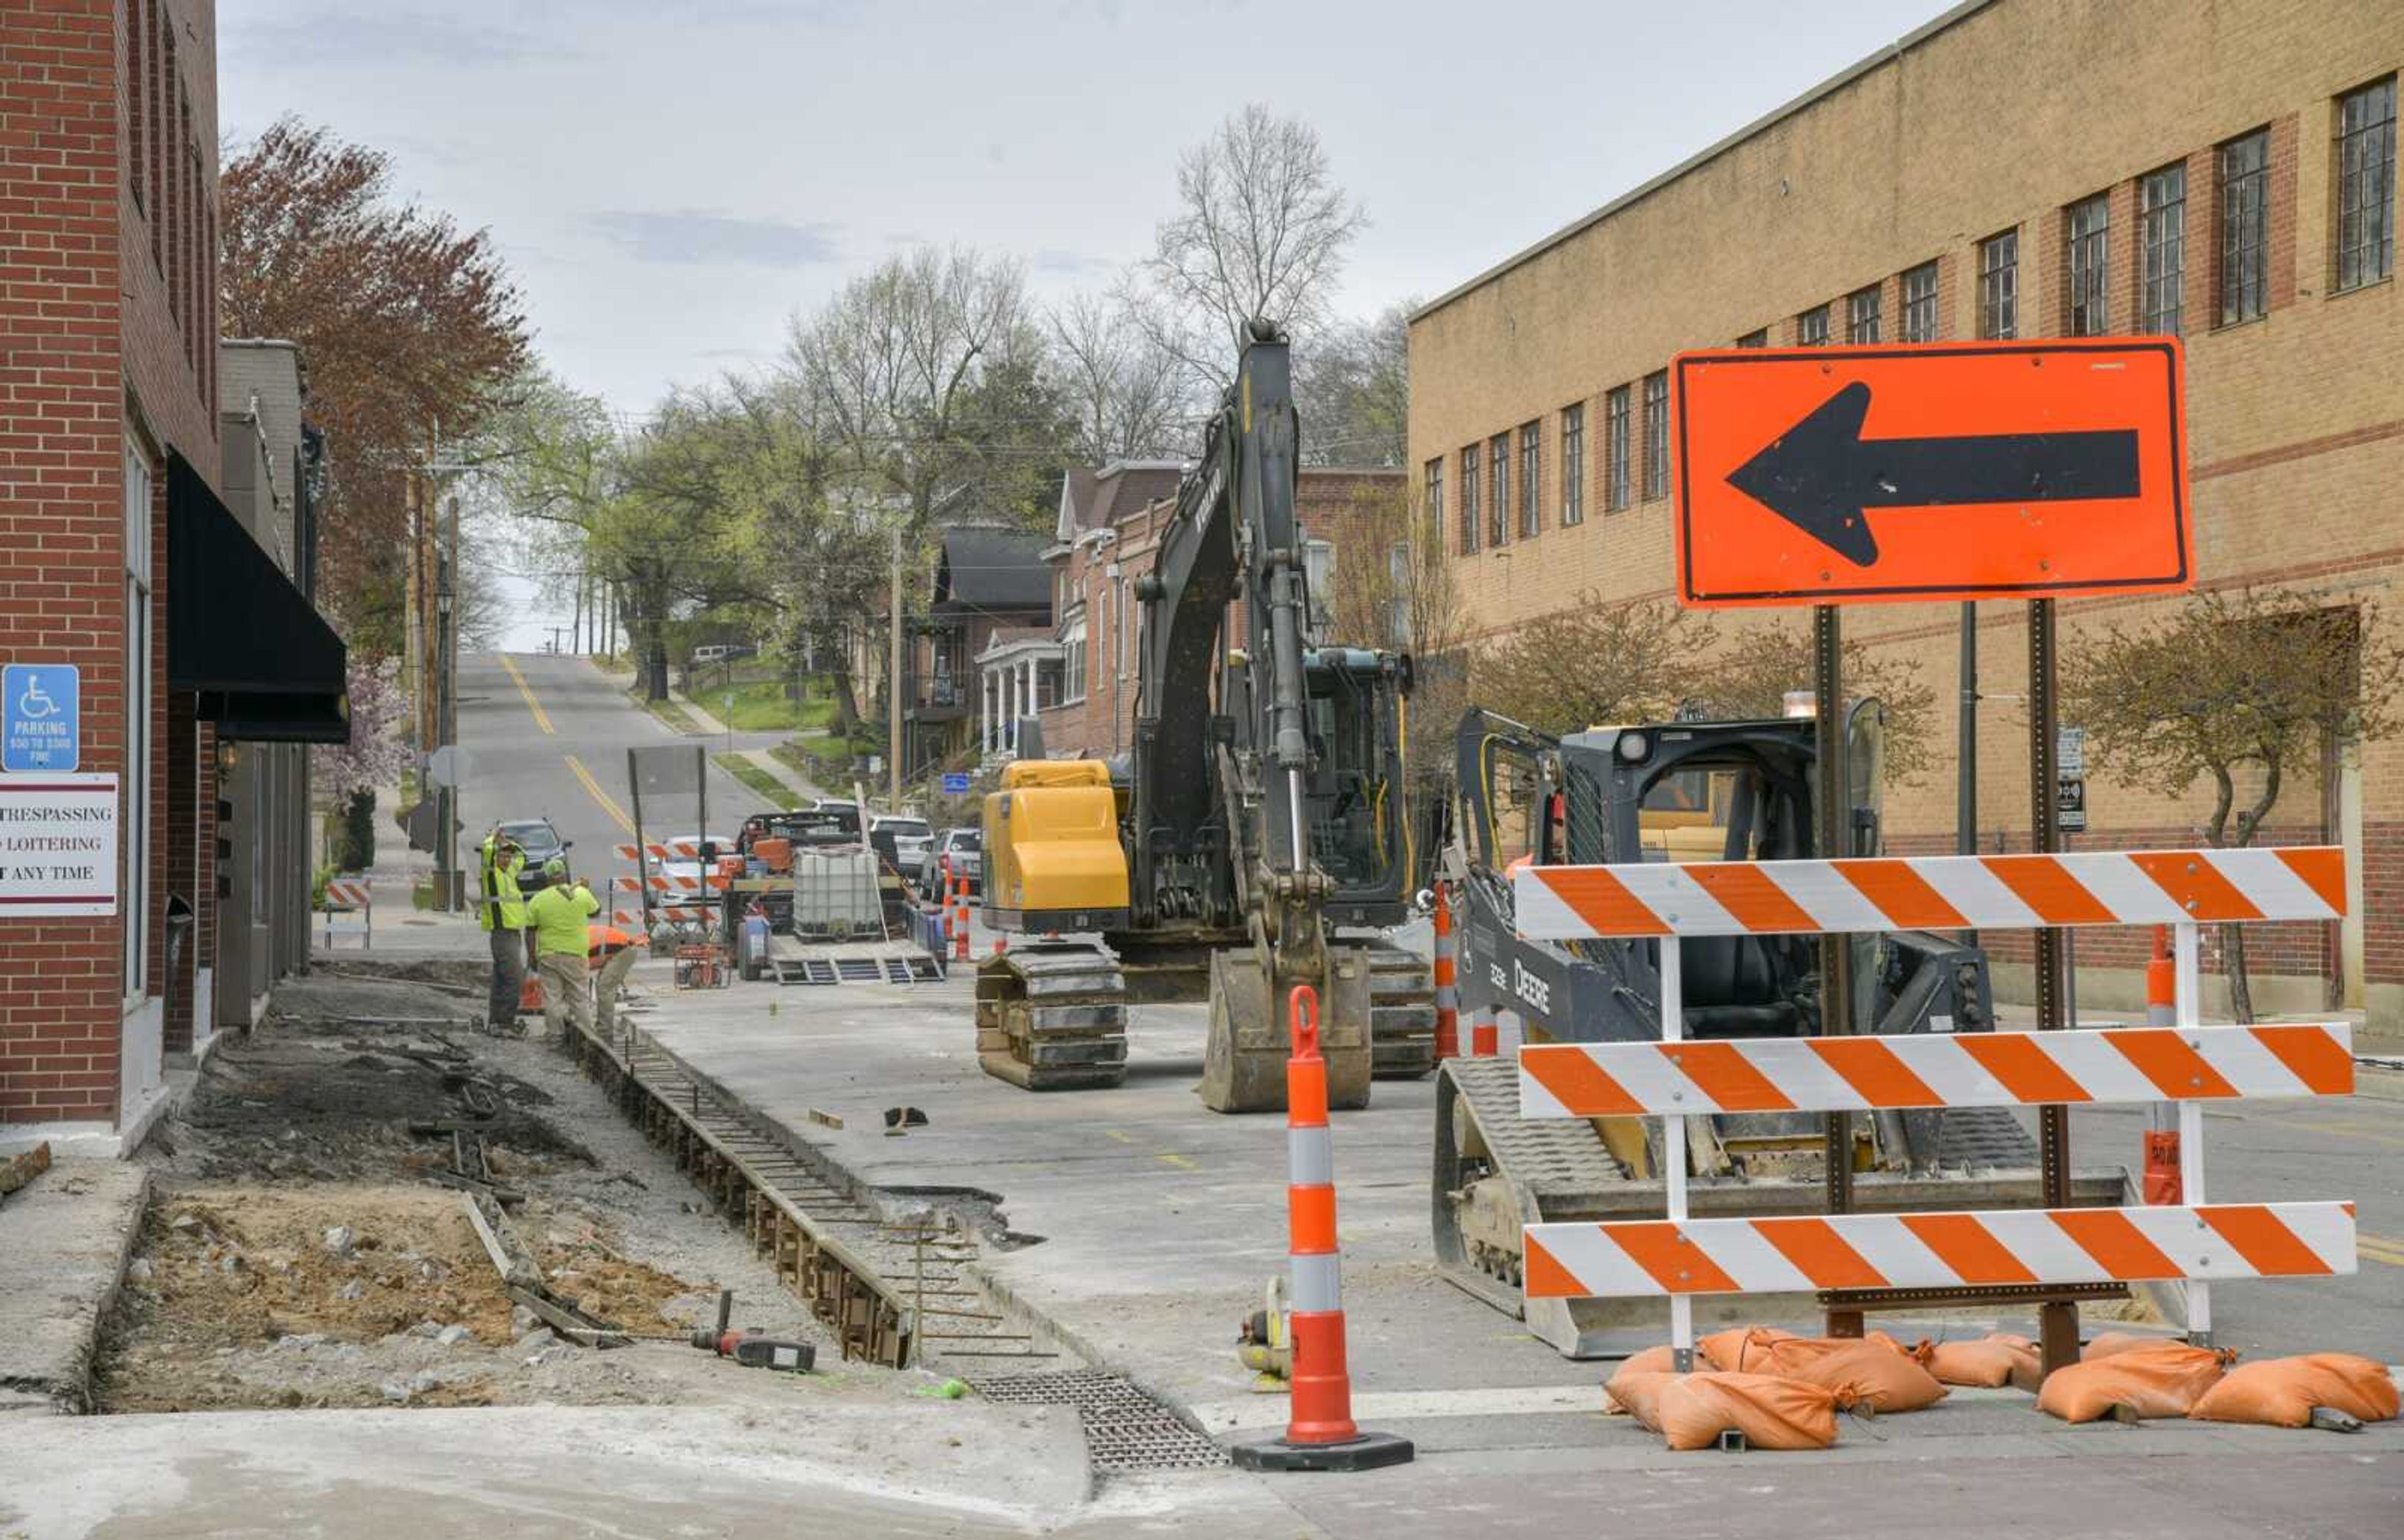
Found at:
(547, 735)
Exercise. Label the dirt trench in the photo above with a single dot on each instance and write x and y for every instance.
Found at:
(298, 1251)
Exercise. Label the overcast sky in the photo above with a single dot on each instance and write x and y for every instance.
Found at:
(671, 181)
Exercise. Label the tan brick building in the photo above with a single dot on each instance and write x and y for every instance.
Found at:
(2014, 168)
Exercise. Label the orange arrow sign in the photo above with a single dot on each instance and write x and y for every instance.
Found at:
(1946, 471)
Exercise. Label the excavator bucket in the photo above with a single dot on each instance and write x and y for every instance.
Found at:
(1243, 1064)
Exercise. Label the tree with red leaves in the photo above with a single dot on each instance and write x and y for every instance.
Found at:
(407, 324)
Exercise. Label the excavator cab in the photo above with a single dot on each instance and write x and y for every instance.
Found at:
(1360, 836)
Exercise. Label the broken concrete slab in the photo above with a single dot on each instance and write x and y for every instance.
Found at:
(63, 1244)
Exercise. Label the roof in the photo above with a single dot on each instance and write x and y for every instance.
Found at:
(1828, 88)
(986, 570)
(1097, 499)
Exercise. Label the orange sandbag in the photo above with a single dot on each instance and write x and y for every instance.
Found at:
(1638, 1392)
(2158, 1378)
(1784, 1355)
(1881, 1375)
(1650, 1361)
(2282, 1392)
(1770, 1412)
(1996, 1359)
(2108, 1343)
(1739, 1349)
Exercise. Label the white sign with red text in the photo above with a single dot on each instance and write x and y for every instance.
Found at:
(58, 846)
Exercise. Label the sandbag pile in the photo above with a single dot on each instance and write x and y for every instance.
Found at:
(1780, 1391)
(1998, 1358)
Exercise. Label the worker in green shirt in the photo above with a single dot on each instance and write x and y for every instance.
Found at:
(502, 912)
(557, 913)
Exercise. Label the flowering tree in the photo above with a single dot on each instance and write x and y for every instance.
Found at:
(375, 756)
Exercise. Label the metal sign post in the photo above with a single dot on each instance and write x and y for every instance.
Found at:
(1836, 951)
(2056, 1319)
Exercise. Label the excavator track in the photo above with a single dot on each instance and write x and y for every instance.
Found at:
(1402, 1013)
(1052, 1017)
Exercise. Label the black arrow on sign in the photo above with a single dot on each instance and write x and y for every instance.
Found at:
(1821, 475)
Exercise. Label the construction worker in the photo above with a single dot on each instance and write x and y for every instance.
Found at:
(502, 912)
(558, 913)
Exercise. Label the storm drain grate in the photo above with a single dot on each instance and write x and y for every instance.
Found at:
(1125, 1428)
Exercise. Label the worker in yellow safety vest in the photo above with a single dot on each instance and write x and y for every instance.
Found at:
(559, 912)
(502, 912)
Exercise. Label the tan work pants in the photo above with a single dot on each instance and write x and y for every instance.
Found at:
(566, 997)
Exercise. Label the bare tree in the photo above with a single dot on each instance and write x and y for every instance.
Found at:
(1751, 676)
(925, 377)
(1261, 230)
(1354, 385)
(2243, 689)
(1594, 661)
(1130, 394)
(1393, 588)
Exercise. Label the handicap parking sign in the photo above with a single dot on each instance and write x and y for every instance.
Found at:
(39, 716)
(955, 783)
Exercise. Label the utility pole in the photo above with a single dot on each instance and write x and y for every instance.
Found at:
(446, 838)
(893, 692)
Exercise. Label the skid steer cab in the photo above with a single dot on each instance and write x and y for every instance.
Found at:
(1676, 791)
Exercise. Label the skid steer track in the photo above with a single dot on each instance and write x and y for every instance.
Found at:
(1053, 1017)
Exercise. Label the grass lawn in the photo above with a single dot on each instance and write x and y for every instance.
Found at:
(759, 703)
(751, 774)
(822, 760)
(668, 712)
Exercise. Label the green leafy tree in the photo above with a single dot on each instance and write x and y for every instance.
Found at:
(2240, 689)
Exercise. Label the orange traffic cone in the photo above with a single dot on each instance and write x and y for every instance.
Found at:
(1320, 1435)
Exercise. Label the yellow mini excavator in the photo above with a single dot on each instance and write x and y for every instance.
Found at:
(1253, 839)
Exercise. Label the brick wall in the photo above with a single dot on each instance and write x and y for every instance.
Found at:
(92, 354)
(2000, 120)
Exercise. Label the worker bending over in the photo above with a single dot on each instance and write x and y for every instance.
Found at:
(558, 913)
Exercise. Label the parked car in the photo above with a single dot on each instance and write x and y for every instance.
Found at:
(720, 653)
(966, 848)
(912, 839)
(541, 841)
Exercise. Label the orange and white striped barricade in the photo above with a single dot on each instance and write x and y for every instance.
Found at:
(959, 917)
(1320, 1435)
(350, 895)
(943, 889)
(2186, 1064)
(1447, 966)
(1485, 1033)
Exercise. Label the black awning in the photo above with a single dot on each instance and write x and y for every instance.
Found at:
(265, 664)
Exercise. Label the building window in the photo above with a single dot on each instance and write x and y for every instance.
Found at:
(1531, 479)
(1811, 328)
(1614, 450)
(2366, 185)
(1319, 577)
(1127, 619)
(2245, 226)
(1920, 303)
(1072, 666)
(2161, 217)
(1573, 464)
(1656, 434)
(1862, 316)
(2089, 253)
(134, 818)
(1498, 489)
(1754, 338)
(136, 98)
(1999, 284)
(1469, 501)
(1434, 510)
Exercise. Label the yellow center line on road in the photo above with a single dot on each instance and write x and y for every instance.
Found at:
(576, 768)
(541, 718)
(2392, 1259)
(2349, 1131)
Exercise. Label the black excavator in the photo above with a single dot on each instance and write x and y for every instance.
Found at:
(1679, 792)
(1253, 839)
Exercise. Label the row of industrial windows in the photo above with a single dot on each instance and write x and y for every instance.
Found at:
(2365, 253)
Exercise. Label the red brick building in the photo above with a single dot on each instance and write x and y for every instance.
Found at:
(1109, 536)
(110, 457)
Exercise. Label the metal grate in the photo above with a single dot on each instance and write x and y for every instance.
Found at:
(1127, 1429)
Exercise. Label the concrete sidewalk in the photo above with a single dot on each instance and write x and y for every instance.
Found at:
(64, 1242)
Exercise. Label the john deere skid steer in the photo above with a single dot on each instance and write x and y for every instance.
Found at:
(1681, 790)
